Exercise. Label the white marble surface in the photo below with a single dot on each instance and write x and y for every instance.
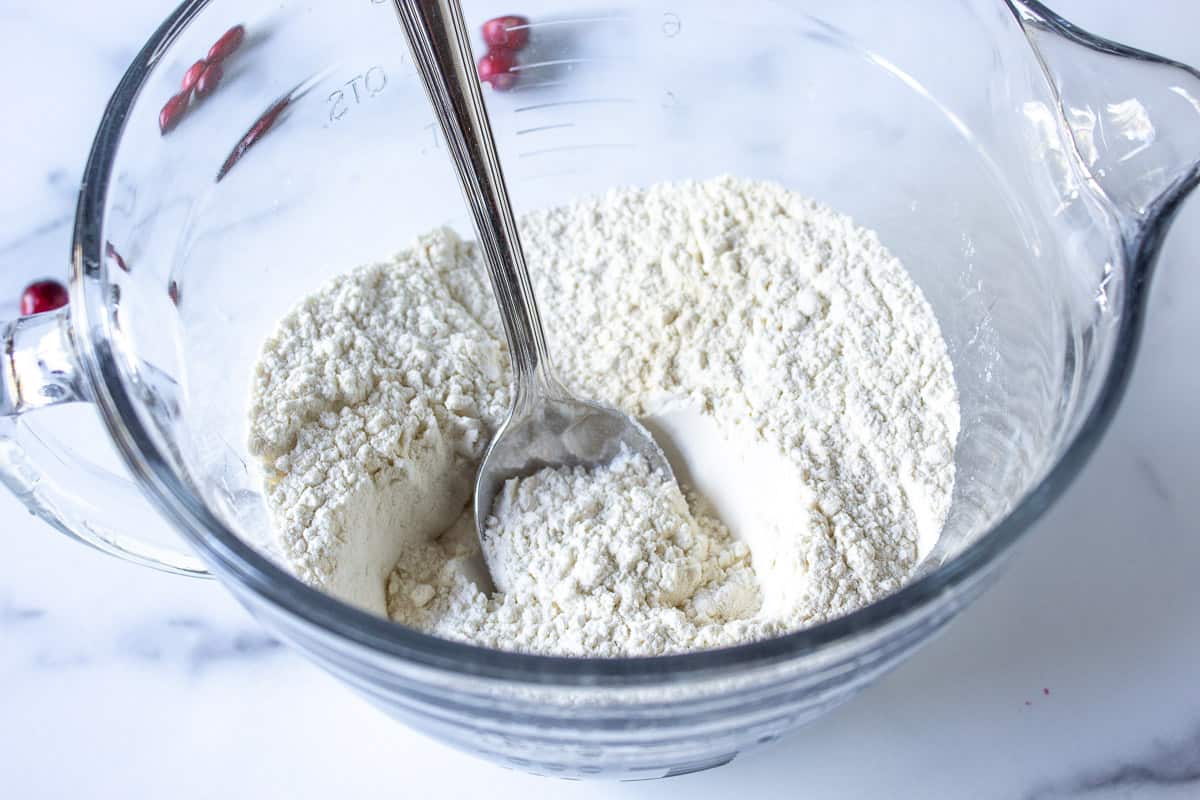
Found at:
(1076, 676)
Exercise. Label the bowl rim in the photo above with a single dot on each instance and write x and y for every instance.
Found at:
(243, 565)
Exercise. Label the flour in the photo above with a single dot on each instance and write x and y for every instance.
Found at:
(602, 562)
(727, 313)
(372, 402)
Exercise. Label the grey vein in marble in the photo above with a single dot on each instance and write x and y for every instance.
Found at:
(191, 643)
(36, 232)
(11, 614)
(1154, 479)
(1170, 764)
(194, 643)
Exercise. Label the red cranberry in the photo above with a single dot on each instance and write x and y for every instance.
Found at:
(193, 74)
(257, 131)
(496, 68)
(42, 296)
(230, 40)
(172, 112)
(509, 32)
(207, 84)
(111, 252)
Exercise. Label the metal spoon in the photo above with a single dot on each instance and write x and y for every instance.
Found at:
(547, 426)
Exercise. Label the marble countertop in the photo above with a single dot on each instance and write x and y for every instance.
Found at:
(1075, 676)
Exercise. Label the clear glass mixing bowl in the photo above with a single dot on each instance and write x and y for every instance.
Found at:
(1023, 170)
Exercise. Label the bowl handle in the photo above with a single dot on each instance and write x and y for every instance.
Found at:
(38, 369)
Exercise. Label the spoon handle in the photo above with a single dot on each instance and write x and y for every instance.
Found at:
(441, 51)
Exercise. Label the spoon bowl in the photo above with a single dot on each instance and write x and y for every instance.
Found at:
(547, 427)
(559, 431)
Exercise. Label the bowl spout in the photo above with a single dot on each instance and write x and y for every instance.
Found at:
(1133, 117)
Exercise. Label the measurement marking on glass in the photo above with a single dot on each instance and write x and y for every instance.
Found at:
(525, 87)
(672, 24)
(372, 83)
(573, 21)
(573, 147)
(558, 62)
(540, 128)
(557, 103)
(435, 137)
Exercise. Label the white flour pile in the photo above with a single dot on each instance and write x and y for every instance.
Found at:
(785, 354)
(603, 562)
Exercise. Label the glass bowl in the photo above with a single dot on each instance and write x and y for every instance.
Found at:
(1024, 171)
